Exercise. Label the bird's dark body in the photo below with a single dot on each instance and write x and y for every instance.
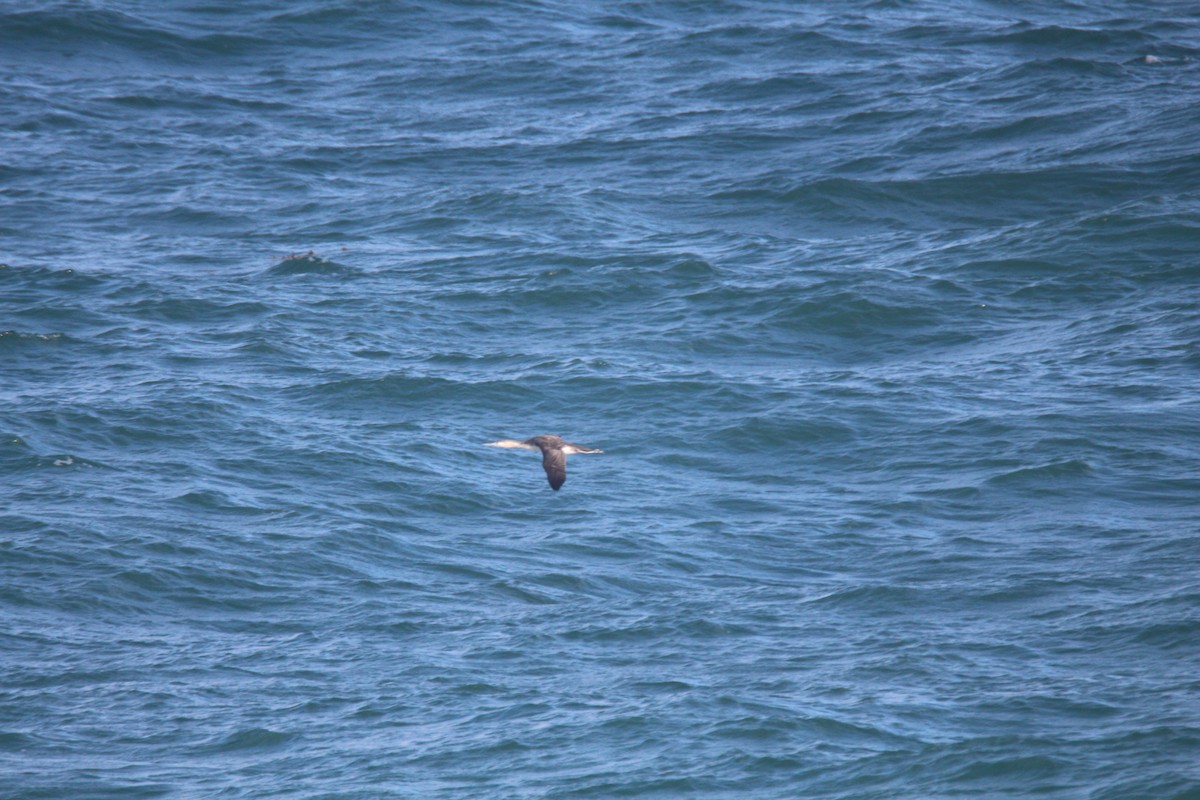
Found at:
(554, 454)
(554, 460)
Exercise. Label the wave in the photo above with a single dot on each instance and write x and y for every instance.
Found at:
(1045, 475)
(989, 197)
(19, 340)
(1066, 39)
(84, 30)
(403, 389)
(310, 264)
(253, 740)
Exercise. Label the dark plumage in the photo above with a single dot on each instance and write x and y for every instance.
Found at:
(554, 454)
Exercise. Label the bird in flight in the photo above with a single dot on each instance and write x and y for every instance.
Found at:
(554, 454)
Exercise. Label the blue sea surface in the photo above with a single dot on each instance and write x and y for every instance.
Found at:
(886, 314)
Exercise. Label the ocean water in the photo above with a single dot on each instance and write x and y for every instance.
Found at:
(886, 315)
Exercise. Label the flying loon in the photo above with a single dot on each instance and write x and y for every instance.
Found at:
(554, 454)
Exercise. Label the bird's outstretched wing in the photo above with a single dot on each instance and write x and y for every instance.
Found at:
(554, 461)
